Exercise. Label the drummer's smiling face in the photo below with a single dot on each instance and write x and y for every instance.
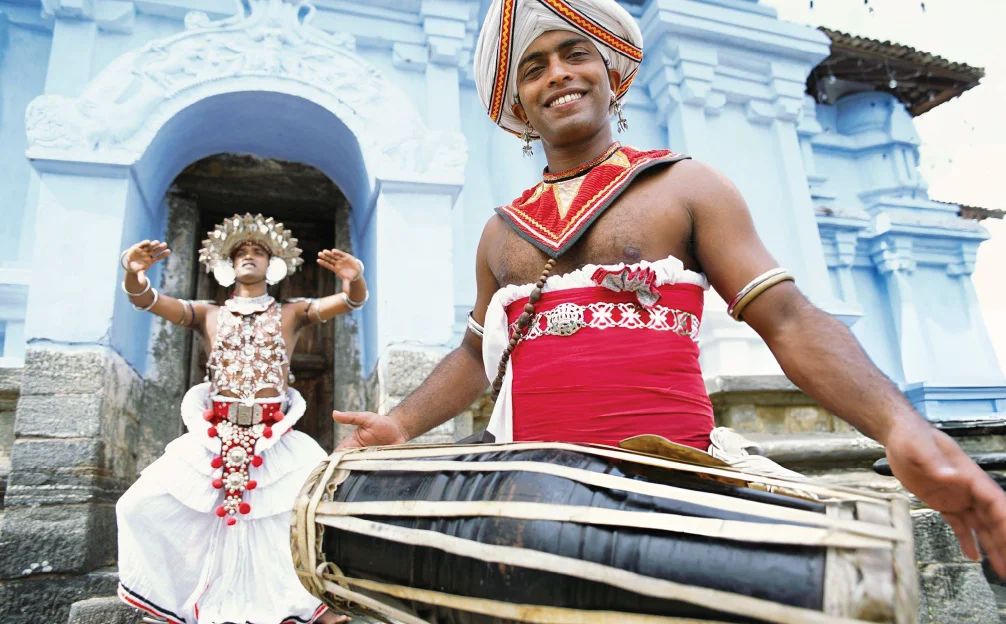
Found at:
(564, 87)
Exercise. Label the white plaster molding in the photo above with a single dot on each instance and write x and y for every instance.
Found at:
(893, 254)
(760, 112)
(270, 45)
(964, 264)
(109, 15)
(846, 243)
(74, 9)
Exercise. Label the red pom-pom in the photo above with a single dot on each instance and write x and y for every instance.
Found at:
(217, 462)
(256, 461)
(231, 521)
(251, 485)
(208, 415)
(212, 432)
(218, 483)
(244, 508)
(267, 432)
(221, 511)
(278, 416)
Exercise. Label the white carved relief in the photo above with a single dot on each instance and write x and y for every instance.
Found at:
(121, 110)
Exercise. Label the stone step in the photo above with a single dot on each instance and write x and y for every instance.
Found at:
(111, 610)
(105, 610)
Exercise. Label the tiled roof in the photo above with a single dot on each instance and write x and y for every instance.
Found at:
(922, 81)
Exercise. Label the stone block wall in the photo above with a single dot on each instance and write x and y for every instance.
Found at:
(74, 453)
(953, 587)
(10, 389)
(399, 372)
(769, 404)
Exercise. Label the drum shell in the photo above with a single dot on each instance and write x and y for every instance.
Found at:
(791, 575)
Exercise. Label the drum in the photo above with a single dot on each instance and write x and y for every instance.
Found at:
(553, 532)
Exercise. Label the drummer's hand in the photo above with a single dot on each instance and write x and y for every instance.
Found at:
(931, 465)
(371, 429)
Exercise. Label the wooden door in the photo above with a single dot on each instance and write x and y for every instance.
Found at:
(313, 359)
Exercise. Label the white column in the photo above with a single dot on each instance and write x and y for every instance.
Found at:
(894, 259)
(444, 22)
(984, 368)
(845, 249)
(86, 215)
(413, 243)
(71, 56)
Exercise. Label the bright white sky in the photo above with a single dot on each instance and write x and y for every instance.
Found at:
(964, 140)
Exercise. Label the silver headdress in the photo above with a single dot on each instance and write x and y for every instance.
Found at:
(237, 230)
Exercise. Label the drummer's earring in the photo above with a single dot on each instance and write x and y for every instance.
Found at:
(616, 107)
(527, 137)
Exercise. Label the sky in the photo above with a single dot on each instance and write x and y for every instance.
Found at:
(963, 151)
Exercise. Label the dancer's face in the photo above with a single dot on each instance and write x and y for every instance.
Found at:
(250, 263)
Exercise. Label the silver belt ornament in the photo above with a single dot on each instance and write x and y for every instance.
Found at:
(564, 319)
(567, 319)
(244, 415)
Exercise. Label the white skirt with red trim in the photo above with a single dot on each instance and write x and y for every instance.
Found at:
(179, 561)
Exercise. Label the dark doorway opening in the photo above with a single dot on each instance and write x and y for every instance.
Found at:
(311, 207)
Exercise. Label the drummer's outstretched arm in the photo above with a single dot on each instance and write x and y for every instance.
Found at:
(451, 388)
(821, 356)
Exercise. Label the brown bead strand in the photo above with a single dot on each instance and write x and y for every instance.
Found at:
(522, 324)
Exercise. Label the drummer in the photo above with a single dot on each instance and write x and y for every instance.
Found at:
(629, 240)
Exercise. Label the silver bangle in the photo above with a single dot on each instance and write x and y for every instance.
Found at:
(355, 305)
(359, 277)
(142, 292)
(122, 257)
(152, 303)
(474, 327)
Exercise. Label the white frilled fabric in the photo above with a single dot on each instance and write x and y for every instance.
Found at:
(670, 270)
(177, 559)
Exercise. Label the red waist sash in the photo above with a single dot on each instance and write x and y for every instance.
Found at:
(598, 368)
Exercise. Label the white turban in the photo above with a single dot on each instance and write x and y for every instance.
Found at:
(511, 26)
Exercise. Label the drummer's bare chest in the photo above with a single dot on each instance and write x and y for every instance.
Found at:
(645, 223)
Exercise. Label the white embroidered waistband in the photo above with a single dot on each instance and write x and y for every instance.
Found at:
(568, 318)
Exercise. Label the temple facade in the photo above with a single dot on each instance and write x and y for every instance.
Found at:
(358, 125)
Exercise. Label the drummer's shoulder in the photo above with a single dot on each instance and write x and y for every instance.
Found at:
(493, 231)
(694, 179)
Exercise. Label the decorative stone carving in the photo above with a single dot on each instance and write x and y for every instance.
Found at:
(268, 41)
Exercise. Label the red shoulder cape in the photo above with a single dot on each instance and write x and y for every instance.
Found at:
(556, 212)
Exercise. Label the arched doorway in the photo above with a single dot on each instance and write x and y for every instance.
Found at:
(308, 203)
(263, 82)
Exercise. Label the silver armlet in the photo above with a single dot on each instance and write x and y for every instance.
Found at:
(474, 327)
(188, 313)
(755, 288)
(152, 303)
(314, 311)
